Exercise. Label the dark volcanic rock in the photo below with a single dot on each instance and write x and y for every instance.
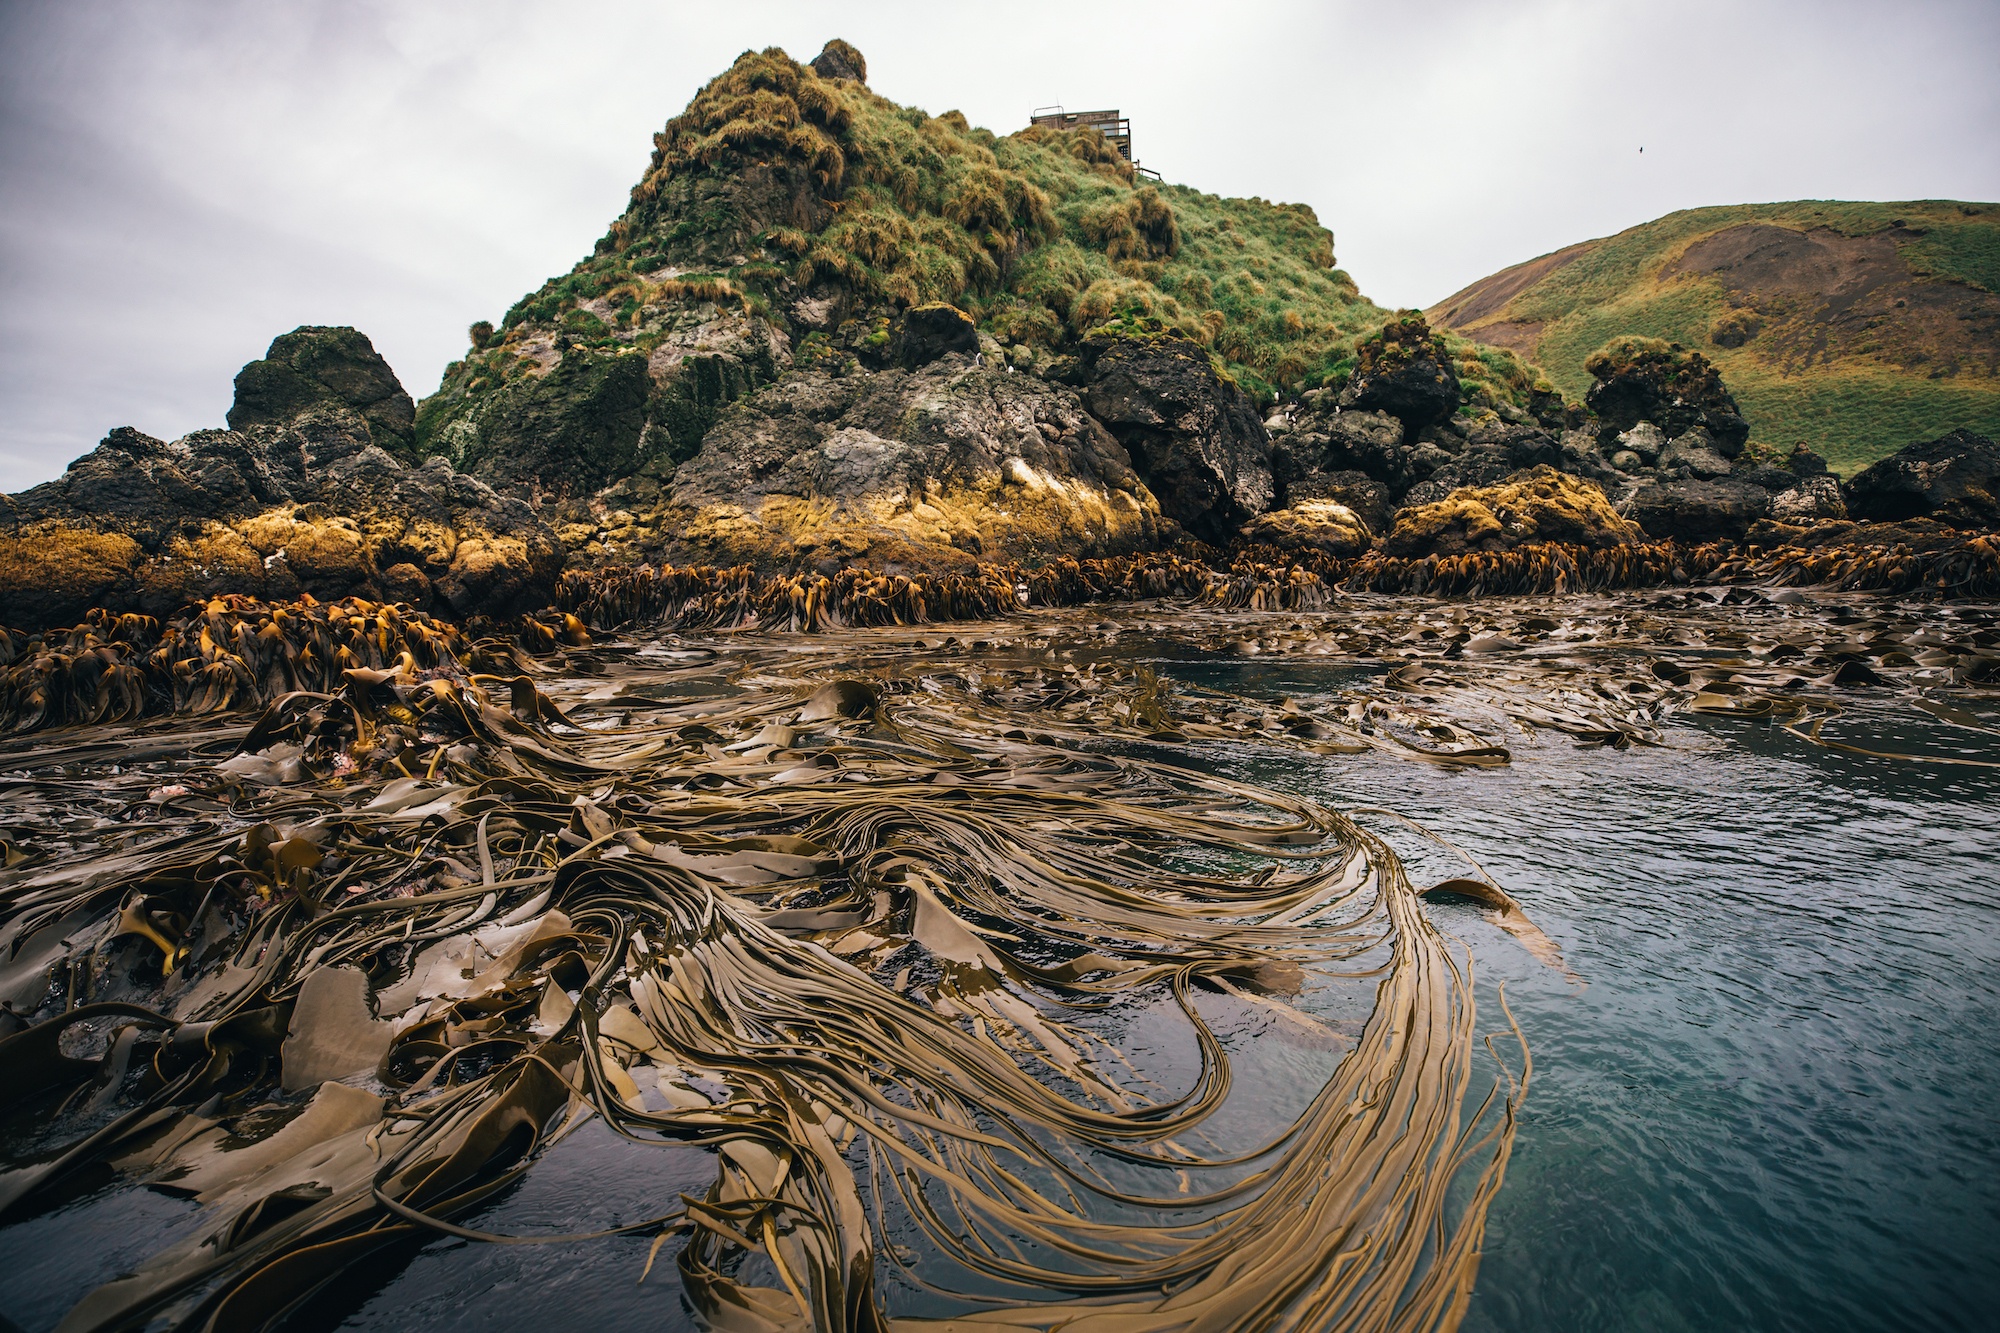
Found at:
(1193, 436)
(313, 366)
(313, 506)
(928, 332)
(1644, 379)
(1404, 371)
(1368, 498)
(1954, 479)
(838, 60)
(1700, 511)
(929, 468)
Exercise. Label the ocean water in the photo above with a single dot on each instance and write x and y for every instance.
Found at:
(1770, 1103)
(1763, 1095)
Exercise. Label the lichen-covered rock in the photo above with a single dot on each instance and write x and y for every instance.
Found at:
(1698, 511)
(1696, 453)
(1809, 498)
(313, 367)
(1954, 479)
(1538, 505)
(566, 420)
(1193, 436)
(928, 468)
(315, 506)
(1318, 525)
(1406, 371)
(1645, 379)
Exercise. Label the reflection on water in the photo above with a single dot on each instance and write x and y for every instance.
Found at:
(1770, 1105)
(1765, 1100)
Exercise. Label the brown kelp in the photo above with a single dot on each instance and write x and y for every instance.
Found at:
(860, 936)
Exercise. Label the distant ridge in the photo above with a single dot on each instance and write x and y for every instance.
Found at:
(1856, 327)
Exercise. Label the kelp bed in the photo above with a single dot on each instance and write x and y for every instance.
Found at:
(862, 916)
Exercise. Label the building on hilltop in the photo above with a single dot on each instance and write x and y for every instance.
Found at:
(1115, 128)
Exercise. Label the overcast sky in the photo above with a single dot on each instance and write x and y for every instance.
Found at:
(180, 182)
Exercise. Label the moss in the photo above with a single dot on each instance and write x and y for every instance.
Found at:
(1539, 505)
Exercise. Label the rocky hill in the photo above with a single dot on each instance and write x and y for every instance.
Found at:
(1856, 327)
(788, 220)
(830, 333)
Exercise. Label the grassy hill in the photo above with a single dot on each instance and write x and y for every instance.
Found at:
(1856, 327)
(787, 190)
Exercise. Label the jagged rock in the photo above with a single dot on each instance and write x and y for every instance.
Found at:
(1644, 379)
(838, 60)
(1804, 462)
(1406, 371)
(313, 366)
(1696, 452)
(1699, 511)
(1193, 436)
(1538, 505)
(930, 467)
(579, 419)
(1954, 479)
(1644, 439)
(1321, 525)
(928, 332)
(314, 506)
(1367, 497)
(1809, 498)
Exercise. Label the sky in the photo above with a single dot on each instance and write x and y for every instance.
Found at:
(181, 182)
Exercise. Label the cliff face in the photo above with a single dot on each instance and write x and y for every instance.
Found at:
(1855, 327)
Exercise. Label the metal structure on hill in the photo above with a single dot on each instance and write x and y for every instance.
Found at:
(1116, 129)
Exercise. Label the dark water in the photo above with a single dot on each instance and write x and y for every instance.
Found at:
(1772, 1103)
(1769, 1103)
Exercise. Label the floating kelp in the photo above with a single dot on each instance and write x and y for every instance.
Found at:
(850, 933)
(865, 915)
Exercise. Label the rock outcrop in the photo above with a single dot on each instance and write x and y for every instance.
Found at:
(1406, 371)
(1311, 525)
(1194, 437)
(326, 367)
(314, 506)
(1954, 479)
(1537, 505)
(1645, 379)
(913, 469)
(1700, 511)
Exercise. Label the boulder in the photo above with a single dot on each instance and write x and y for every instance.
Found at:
(1192, 435)
(1318, 525)
(1405, 371)
(1954, 479)
(1538, 505)
(313, 367)
(1699, 511)
(838, 60)
(927, 332)
(1367, 497)
(929, 468)
(1644, 439)
(1695, 452)
(1645, 379)
(314, 506)
(1808, 499)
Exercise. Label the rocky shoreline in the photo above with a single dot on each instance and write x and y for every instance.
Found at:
(940, 470)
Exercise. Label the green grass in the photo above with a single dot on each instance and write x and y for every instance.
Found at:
(1043, 236)
(1854, 406)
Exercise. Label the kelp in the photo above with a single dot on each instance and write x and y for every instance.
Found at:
(859, 936)
(866, 916)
